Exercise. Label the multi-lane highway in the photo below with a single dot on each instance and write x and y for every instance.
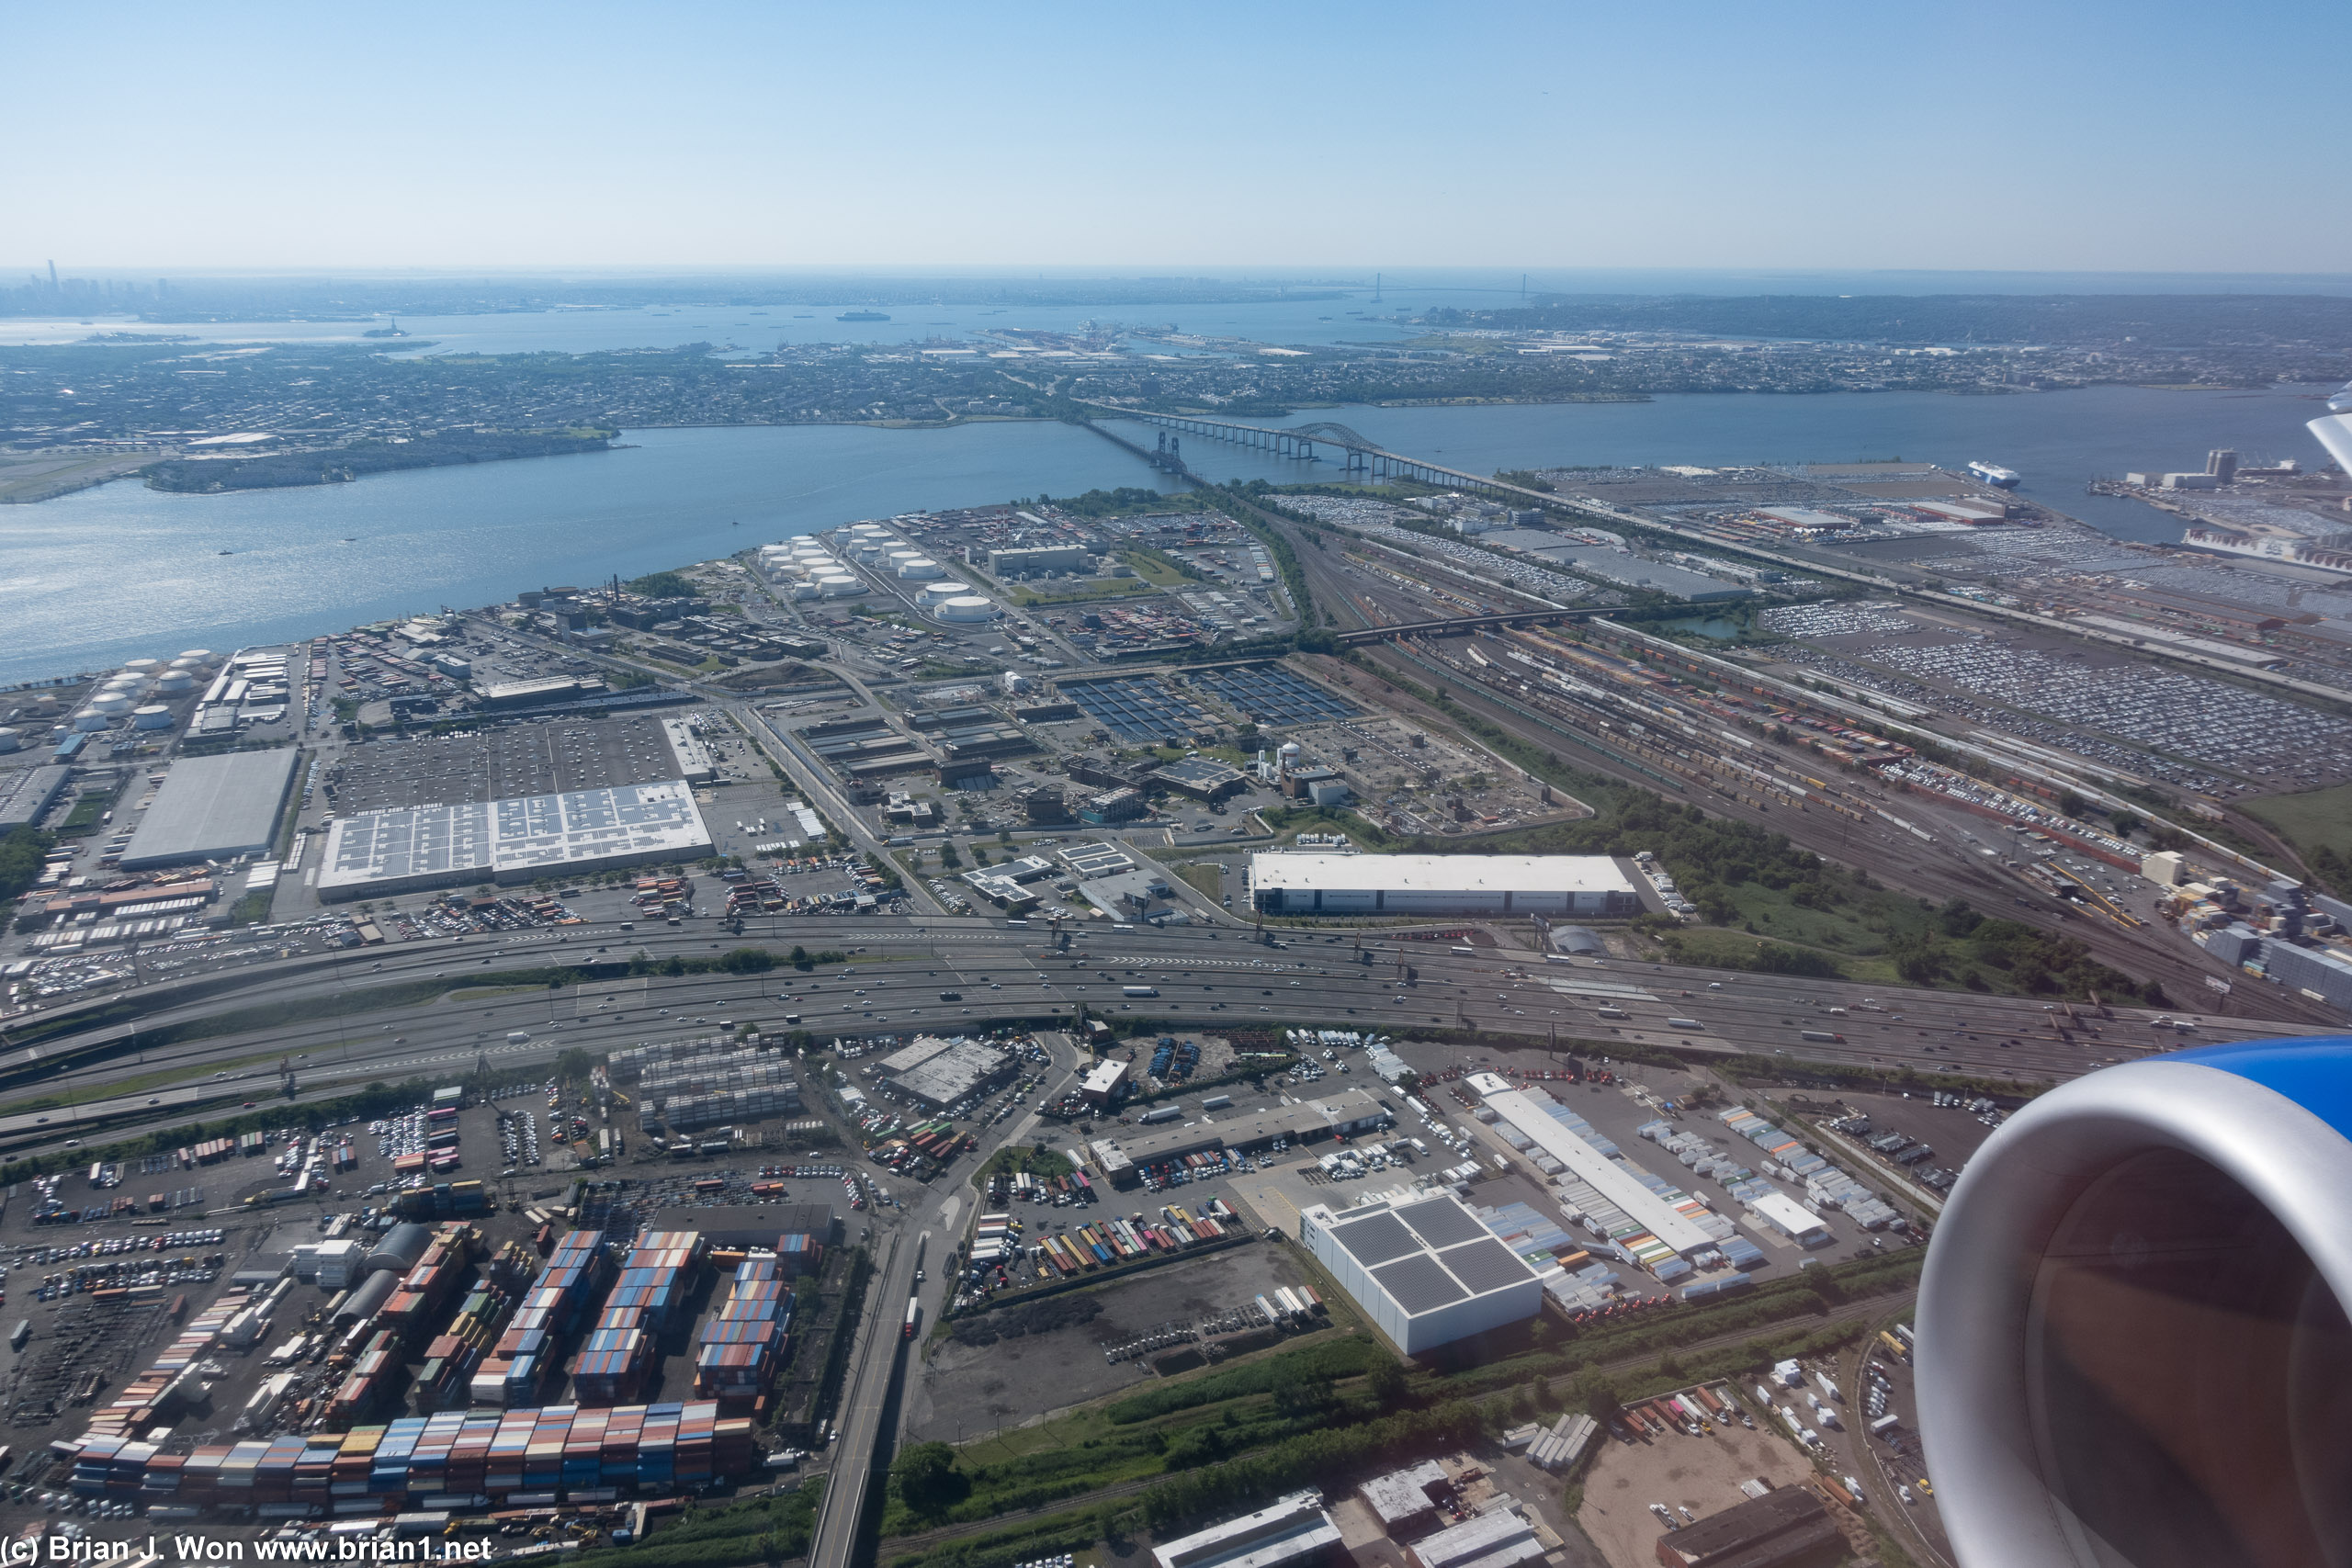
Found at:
(902, 976)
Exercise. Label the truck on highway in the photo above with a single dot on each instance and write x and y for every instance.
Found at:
(1139, 990)
(915, 1314)
(1821, 1037)
(519, 1037)
(1610, 1012)
(1684, 1023)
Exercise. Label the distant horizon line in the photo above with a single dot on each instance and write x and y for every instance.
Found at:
(1231, 274)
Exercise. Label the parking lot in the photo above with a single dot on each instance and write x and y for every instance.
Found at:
(1702, 1474)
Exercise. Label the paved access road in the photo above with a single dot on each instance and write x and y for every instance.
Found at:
(944, 972)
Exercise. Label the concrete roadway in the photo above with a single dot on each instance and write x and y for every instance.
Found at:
(1207, 979)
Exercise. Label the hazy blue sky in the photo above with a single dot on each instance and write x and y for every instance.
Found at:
(2020, 134)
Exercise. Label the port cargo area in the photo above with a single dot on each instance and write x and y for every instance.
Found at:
(412, 1312)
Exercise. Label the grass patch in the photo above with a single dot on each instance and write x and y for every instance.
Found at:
(1205, 880)
(2316, 820)
(1092, 589)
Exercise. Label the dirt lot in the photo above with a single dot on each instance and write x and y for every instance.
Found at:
(1702, 1473)
(970, 1389)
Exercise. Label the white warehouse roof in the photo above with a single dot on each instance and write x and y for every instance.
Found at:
(1425, 1269)
(377, 854)
(213, 809)
(1293, 882)
(1790, 1217)
(1612, 1179)
(1310, 871)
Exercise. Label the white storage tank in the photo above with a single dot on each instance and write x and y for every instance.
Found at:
(920, 570)
(802, 591)
(88, 720)
(110, 704)
(904, 554)
(933, 594)
(124, 682)
(840, 587)
(154, 716)
(969, 607)
(10, 739)
(196, 655)
(176, 683)
(141, 666)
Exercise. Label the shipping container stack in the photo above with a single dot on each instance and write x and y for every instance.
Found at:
(374, 1377)
(800, 1252)
(420, 1460)
(147, 1400)
(655, 1284)
(446, 1380)
(532, 1344)
(738, 1350)
(442, 1199)
(426, 1288)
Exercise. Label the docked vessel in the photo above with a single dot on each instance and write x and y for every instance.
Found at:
(861, 316)
(1995, 476)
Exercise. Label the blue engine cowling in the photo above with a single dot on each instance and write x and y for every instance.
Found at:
(2133, 1348)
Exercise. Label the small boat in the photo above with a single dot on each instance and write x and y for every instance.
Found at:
(224, 552)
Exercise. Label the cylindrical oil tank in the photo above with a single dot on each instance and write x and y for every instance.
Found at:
(10, 739)
(174, 683)
(89, 720)
(840, 587)
(143, 665)
(154, 716)
(803, 591)
(196, 655)
(969, 607)
(110, 704)
(933, 594)
(920, 570)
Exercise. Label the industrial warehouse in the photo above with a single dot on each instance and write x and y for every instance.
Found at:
(1295, 882)
(213, 809)
(380, 853)
(1426, 1271)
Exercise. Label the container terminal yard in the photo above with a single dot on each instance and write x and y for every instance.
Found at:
(612, 998)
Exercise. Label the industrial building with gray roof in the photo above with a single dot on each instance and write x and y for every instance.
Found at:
(214, 808)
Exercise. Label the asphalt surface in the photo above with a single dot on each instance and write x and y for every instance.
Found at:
(1208, 979)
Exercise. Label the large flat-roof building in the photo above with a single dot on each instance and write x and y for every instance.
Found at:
(1346, 1113)
(1293, 882)
(1204, 778)
(1785, 1526)
(214, 808)
(1291, 1530)
(1530, 1114)
(1424, 1270)
(377, 855)
(939, 1073)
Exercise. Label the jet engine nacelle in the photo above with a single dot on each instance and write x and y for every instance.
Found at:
(2132, 1343)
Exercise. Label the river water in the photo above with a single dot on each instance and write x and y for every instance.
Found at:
(118, 572)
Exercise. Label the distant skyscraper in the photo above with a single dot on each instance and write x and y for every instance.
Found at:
(2223, 464)
(52, 276)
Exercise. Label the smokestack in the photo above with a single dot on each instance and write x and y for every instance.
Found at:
(52, 276)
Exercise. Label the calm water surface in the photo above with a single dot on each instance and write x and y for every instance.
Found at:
(91, 579)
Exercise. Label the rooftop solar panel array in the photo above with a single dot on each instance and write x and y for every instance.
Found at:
(1418, 1284)
(1375, 1239)
(1483, 1266)
(1440, 1224)
(1134, 708)
(1268, 693)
